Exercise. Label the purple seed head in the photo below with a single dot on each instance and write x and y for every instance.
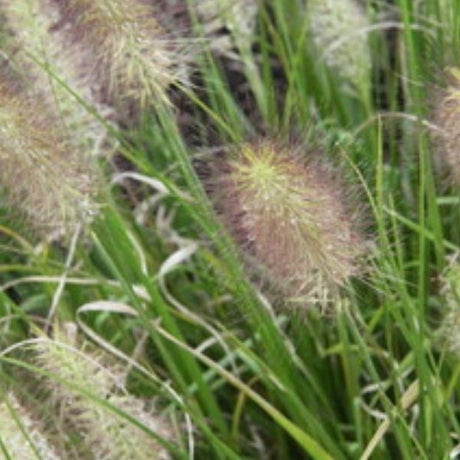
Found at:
(290, 216)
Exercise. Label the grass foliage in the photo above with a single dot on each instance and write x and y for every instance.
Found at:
(178, 343)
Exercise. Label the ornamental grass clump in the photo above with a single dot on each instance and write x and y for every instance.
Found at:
(20, 435)
(292, 219)
(42, 175)
(133, 61)
(339, 32)
(37, 46)
(81, 384)
(447, 120)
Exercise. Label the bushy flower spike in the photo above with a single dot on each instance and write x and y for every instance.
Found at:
(133, 61)
(41, 174)
(339, 32)
(449, 332)
(290, 216)
(37, 47)
(107, 434)
(447, 119)
(235, 16)
(20, 433)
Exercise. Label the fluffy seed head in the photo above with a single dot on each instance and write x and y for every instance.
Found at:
(338, 30)
(108, 435)
(12, 429)
(291, 217)
(449, 332)
(133, 62)
(447, 118)
(236, 16)
(38, 48)
(41, 174)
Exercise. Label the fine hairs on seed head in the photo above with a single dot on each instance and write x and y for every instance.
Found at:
(447, 119)
(290, 216)
(42, 175)
(133, 60)
(75, 374)
(339, 33)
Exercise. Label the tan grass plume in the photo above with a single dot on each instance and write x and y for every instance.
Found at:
(42, 175)
(20, 434)
(339, 33)
(36, 44)
(447, 119)
(78, 374)
(133, 60)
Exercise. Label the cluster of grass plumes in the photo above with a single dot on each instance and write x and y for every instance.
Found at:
(215, 258)
(132, 61)
(290, 212)
(339, 31)
(447, 119)
(89, 395)
(42, 174)
(20, 435)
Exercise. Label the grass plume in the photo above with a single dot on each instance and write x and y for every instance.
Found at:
(291, 216)
(42, 174)
(338, 30)
(447, 118)
(20, 436)
(237, 17)
(449, 332)
(106, 434)
(36, 44)
(133, 62)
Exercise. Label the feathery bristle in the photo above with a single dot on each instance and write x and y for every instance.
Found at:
(37, 47)
(449, 331)
(339, 32)
(41, 174)
(447, 119)
(133, 62)
(237, 17)
(290, 216)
